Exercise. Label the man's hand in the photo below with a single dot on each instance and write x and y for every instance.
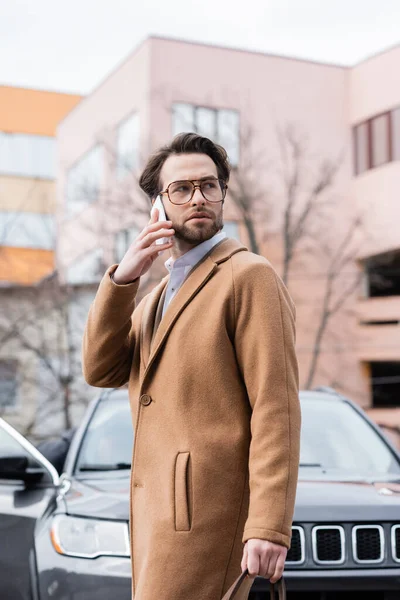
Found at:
(142, 253)
(264, 559)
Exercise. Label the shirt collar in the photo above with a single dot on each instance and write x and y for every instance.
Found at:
(193, 256)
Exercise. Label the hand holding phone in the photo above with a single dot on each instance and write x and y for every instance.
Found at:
(146, 247)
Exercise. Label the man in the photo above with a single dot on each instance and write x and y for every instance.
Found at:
(210, 359)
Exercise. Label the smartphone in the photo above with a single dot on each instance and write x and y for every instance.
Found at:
(161, 217)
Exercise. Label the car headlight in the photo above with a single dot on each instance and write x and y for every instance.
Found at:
(89, 538)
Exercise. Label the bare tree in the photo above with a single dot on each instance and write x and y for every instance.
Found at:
(336, 291)
(251, 199)
(306, 180)
(42, 322)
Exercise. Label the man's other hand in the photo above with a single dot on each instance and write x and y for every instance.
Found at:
(264, 559)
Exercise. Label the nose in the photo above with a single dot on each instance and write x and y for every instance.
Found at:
(197, 198)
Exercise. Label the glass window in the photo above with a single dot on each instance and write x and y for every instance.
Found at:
(380, 140)
(220, 125)
(108, 441)
(396, 134)
(87, 269)
(346, 442)
(231, 228)
(182, 118)
(83, 180)
(128, 146)
(361, 148)
(206, 122)
(382, 273)
(123, 239)
(8, 383)
(229, 135)
(27, 230)
(27, 155)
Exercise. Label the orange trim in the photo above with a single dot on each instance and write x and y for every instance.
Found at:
(33, 111)
(25, 266)
(55, 542)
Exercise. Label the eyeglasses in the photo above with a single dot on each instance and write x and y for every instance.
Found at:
(181, 192)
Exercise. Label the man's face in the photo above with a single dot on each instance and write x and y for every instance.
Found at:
(190, 230)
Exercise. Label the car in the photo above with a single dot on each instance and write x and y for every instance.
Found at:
(67, 536)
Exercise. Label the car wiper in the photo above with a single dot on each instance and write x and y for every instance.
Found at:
(105, 467)
(315, 465)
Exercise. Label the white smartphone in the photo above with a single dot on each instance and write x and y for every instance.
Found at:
(161, 217)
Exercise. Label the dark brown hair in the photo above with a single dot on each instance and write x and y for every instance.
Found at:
(184, 143)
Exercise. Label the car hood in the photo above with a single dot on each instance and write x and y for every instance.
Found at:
(316, 500)
(105, 498)
(343, 500)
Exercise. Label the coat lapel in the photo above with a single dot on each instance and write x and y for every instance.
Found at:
(148, 320)
(190, 287)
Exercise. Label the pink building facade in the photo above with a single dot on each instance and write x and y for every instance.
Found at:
(253, 104)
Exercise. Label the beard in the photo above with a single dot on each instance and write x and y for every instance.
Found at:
(196, 233)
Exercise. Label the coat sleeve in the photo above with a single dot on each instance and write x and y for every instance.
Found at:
(265, 349)
(111, 334)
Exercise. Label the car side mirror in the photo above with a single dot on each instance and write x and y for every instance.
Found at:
(17, 467)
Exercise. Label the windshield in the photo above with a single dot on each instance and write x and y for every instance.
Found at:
(108, 441)
(336, 437)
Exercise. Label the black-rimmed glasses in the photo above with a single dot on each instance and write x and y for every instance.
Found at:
(181, 192)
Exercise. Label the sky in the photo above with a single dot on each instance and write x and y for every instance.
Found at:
(71, 45)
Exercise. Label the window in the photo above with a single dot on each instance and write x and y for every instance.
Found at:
(83, 181)
(346, 442)
(377, 141)
(361, 147)
(123, 239)
(87, 269)
(27, 155)
(380, 140)
(228, 134)
(8, 383)
(27, 230)
(383, 274)
(385, 383)
(108, 439)
(231, 228)
(221, 125)
(396, 134)
(127, 146)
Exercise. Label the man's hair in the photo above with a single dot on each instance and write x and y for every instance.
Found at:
(184, 143)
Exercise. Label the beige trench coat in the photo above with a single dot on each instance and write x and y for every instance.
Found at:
(215, 406)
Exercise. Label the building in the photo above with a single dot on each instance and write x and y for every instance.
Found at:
(327, 136)
(28, 121)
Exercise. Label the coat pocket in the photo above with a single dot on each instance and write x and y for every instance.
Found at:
(183, 492)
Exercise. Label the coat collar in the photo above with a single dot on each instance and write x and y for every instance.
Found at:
(196, 279)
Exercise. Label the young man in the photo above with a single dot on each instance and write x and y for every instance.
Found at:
(210, 359)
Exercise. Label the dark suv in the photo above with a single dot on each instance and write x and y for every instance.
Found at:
(68, 537)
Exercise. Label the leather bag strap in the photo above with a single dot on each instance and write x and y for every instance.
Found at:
(241, 588)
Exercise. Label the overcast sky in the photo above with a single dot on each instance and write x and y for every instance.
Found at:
(71, 45)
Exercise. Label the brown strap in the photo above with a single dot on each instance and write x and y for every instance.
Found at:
(241, 588)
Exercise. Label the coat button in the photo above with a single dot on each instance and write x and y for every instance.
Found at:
(145, 400)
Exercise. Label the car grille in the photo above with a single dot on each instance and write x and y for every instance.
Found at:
(296, 551)
(368, 543)
(396, 543)
(328, 544)
(350, 543)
